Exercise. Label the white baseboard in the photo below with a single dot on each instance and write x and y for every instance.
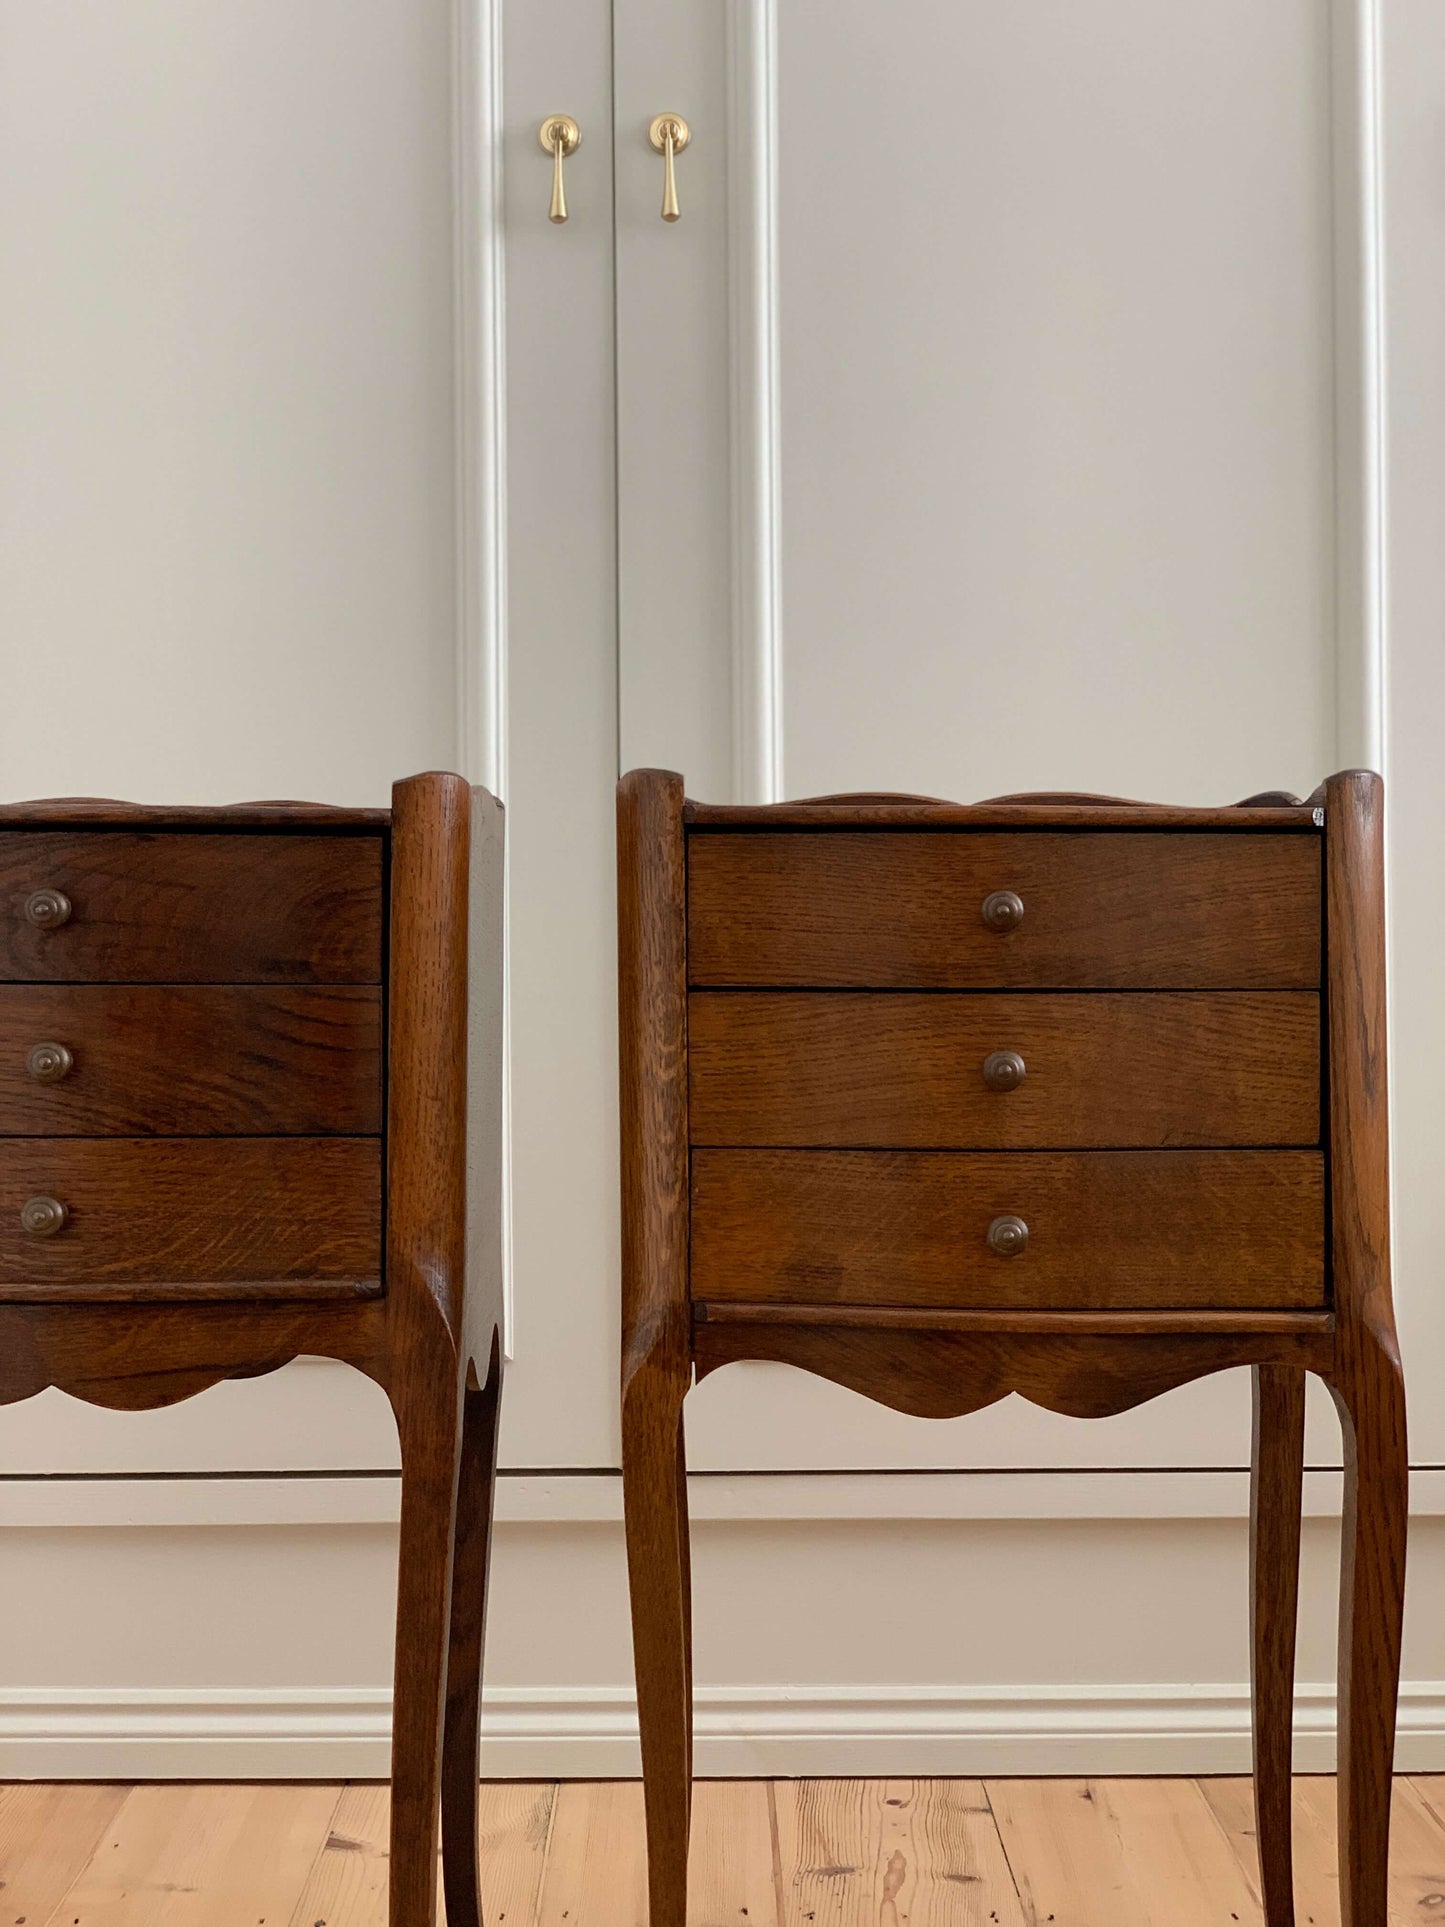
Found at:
(591, 1732)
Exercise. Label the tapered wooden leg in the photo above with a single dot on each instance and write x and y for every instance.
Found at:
(684, 1538)
(461, 1868)
(428, 1410)
(654, 1486)
(1371, 1401)
(1276, 1498)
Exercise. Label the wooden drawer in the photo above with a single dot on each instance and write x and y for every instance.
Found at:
(192, 1217)
(185, 1061)
(1116, 1230)
(891, 1069)
(1108, 910)
(175, 907)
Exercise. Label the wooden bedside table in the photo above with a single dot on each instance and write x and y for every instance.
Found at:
(1154, 1149)
(236, 1125)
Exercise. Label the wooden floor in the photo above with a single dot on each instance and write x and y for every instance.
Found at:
(786, 1853)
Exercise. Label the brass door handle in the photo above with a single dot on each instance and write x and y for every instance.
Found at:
(669, 134)
(560, 136)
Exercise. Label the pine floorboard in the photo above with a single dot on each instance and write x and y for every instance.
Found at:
(766, 1853)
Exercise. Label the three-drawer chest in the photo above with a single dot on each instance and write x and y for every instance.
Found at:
(250, 1108)
(1051, 1095)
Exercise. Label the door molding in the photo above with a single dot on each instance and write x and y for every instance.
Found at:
(481, 416)
(1360, 497)
(754, 403)
(480, 351)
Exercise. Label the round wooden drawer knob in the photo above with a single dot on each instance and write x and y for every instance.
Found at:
(48, 1063)
(1008, 1236)
(42, 1217)
(47, 909)
(1003, 1070)
(1003, 910)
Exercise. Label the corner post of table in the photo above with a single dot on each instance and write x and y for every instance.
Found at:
(656, 1317)
(1367, 1382)
(426, 1281)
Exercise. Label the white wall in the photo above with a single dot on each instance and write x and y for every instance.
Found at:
(954, 1642)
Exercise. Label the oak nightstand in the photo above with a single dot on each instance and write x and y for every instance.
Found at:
(1050, 1095)
(250, 1107)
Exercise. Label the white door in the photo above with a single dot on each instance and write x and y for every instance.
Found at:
(1005, 412)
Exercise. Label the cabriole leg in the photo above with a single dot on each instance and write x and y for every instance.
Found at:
(654, 1485)
(461, 1866)
(1276, 1497)
(428, 1412)
(1370, 1396)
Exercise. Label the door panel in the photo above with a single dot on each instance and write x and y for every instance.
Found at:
(1044, 428)
(1056, 353)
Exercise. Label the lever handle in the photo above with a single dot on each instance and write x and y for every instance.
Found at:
(669, 134)
(560, 136)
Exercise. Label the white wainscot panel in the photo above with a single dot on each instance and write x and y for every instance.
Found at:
(265, 1650)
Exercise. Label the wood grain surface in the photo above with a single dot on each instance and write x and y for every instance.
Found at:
(904, 1070)
(186, 1260)
(239, 907)
(1106, 1229)
(1368, 1380)
(788, 1853)
(278, 813)
(843, 1182)
(656, 1366)
(192, 1061)
(1041, 810)
(1275, 1506)
(870, 910)
(203, 1216)
(944, 1372)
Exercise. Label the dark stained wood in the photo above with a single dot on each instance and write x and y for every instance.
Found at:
(190, 904)
(651, 925)
(931, 1374)
(426, 1272)
(901, 1070)
(651, 937)
(1058, 1323)
(1118, 1230)
(203, 1216)
(1276, 1494)
(1101, 911)
(193, 908)
(1000, 813)
(1366, 1380)
(471, 1568)
(193, 1061)
(866, 893)
(136, 1357)
(482, 1361)
(106, 812)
